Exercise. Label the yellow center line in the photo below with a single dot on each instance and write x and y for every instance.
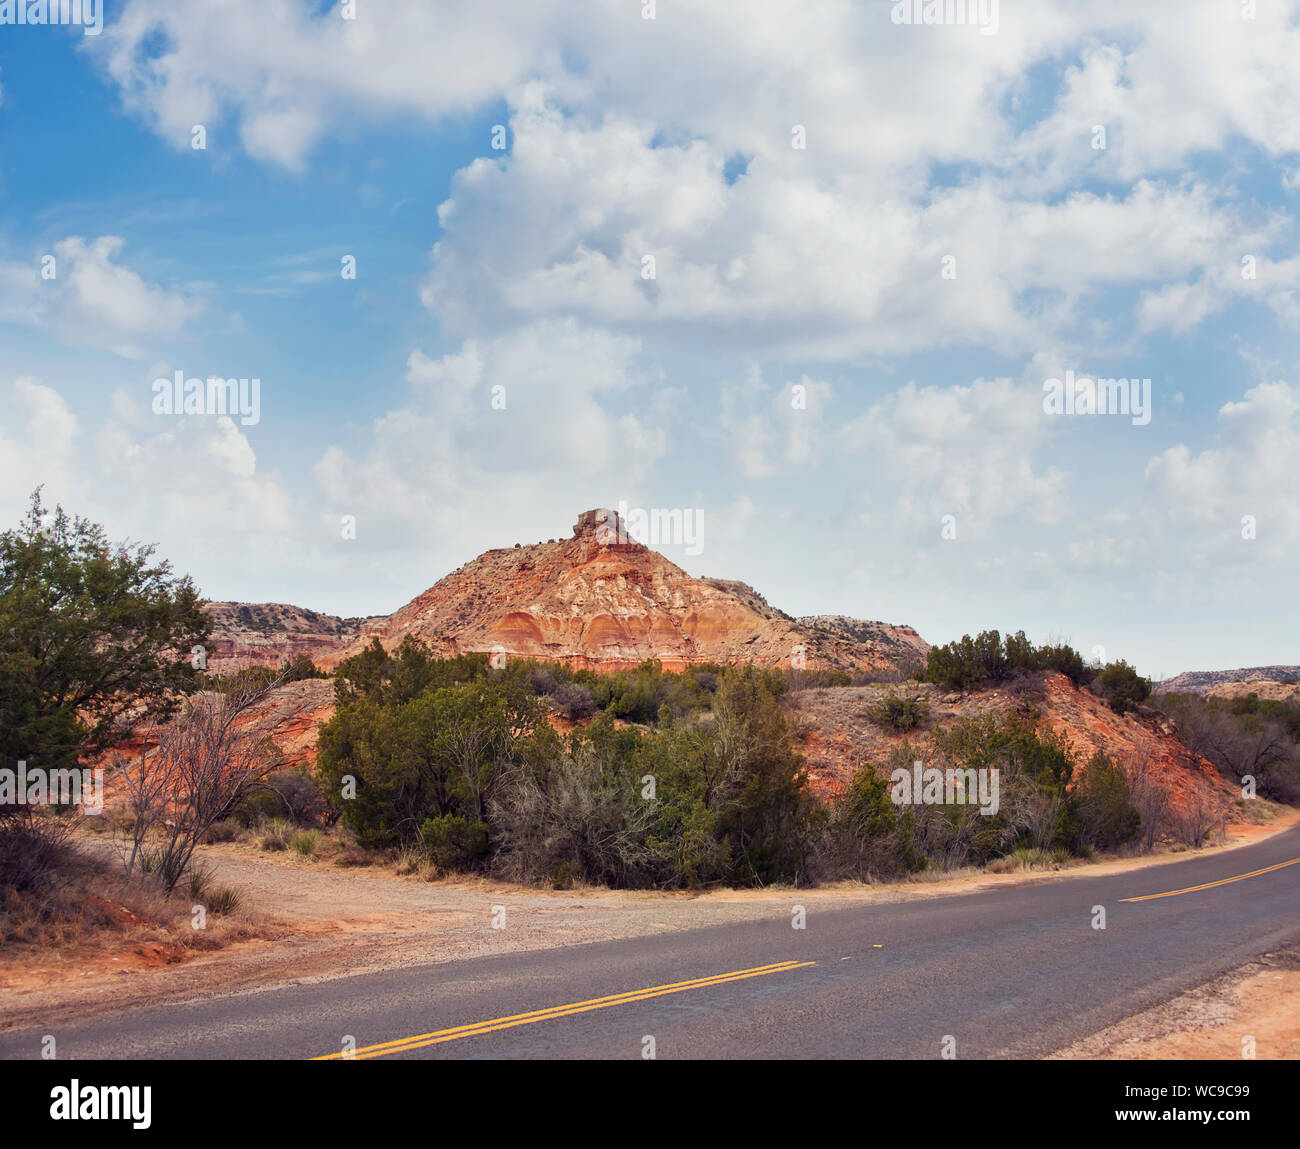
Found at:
(491, 1026)
(1211, 885)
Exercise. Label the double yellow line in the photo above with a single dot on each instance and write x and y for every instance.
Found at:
(1211, 885)
(497, 1023)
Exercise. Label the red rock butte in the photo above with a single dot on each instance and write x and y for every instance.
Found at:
(599, 600)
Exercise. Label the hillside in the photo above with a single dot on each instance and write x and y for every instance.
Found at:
(267, 633)
(839, 738)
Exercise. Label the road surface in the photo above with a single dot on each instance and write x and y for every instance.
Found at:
(1018, 972)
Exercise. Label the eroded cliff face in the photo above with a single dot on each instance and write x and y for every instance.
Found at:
(603, 601)
(268, 633)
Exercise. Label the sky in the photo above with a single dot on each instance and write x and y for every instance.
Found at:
(806, 273)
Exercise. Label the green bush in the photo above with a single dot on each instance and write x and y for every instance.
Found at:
(1104, 817)
(454, 842)
(902, 714)
(971, 663)
(1121, 686)
(223, 900)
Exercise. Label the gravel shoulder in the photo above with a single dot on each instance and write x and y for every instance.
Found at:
(1253, 1011)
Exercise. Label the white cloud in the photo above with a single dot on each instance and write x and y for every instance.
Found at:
(781, 262)
(967, 451)
(190, 484)
(567, 439)
(92, 300)
(621, 126)
(1253, 470)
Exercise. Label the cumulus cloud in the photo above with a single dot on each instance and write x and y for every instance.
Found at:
(499, 437)
(968, 451)
(190, 484)
(1252, 471)
(621, 127)
(82, 293)
(775, 430)
(608, 222)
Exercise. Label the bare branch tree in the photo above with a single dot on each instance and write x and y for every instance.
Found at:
(193, 771)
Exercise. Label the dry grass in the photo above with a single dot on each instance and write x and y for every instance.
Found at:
(79, 904)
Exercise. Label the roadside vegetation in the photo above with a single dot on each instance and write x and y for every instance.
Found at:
(533, 773)
(677, 780)
(95, 643)
(1253, 742)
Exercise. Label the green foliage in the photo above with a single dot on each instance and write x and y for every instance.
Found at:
(259, 677)
(391, 679)
(867, 835)
(971, 663)
(706, 788)
(88, 632)
(441, 752)
(1245, 737)
(300, 667)
(1121, 686)
(1103, 815)
(454, 842)
(901, 714)
(305, 842)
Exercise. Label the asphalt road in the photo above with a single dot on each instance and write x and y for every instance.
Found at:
(1015, 972)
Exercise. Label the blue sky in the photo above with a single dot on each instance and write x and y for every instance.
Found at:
(775, 267)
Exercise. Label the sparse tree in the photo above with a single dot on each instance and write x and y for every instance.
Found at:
(195, 769)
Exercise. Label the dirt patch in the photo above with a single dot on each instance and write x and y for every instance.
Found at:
(1253, 1011)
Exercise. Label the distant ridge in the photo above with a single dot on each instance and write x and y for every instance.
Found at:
(1202, 681)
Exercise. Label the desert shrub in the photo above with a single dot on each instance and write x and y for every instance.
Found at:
(970, 663)
(578, 822)
(223, 900)
(542, 680)
(226, 831)
(300, 798)
(350, 856)
(305, 843)
(1121, 686)
(1104, 816)
(1244, 738)
(573, 700)
(300, 667)
(198, 880)
(455, 843)
(255, 808)
(275, 835)
(1030, 858)
(36, 855)
(902, 714)
(866, 835)
(443, 752)
(391, 679)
